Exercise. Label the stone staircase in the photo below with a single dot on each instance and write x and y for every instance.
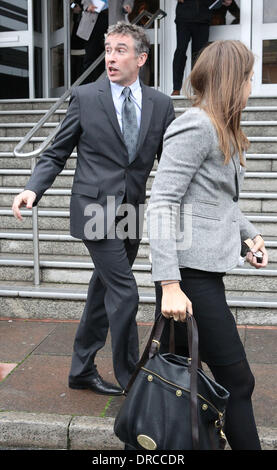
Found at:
(65, 265)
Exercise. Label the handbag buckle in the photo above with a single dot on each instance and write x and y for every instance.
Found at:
(157, 343)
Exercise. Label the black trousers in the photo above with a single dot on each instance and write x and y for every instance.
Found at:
(112, 302)
(198, 33)
(95, 46)
(219, 340)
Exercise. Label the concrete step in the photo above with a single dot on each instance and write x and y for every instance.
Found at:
(58, 198)
(250, 113)
(26, 115)
(255, 161)
(66, 302)
(259, 128)
(20, 129)
(61, 243)
(29, 104)
(58, 243)
(8, 160)
(265, 203)
(77, 270)
(59, 220)
(265, 181)
(258, 144)
(179, 101)
(29, 115)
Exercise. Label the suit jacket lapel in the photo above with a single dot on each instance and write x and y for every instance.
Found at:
(146, 114)
(105, 96)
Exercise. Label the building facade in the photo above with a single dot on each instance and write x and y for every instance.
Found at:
(36, 58)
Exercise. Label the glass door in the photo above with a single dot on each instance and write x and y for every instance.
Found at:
(16, 80)
(264, 46)
(58, 14)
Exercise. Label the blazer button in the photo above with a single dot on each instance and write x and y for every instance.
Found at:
(120, 193)
(235, 198)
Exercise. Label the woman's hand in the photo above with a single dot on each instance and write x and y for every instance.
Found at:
(258, 246)
(175, 304)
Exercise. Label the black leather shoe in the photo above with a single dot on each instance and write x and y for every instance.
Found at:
(97, 385)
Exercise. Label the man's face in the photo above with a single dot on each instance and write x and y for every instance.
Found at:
(122, 63)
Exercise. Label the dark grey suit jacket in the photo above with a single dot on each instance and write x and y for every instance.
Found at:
(102, 168)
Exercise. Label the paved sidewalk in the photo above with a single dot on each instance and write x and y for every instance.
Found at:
(39, 411)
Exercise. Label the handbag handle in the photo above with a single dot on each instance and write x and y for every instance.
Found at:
(152, 348)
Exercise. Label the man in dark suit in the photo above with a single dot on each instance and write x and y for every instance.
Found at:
(192, 20)
(111, 170)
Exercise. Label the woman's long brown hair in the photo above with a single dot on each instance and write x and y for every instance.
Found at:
(217, 84)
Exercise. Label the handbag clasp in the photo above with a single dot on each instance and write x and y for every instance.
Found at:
(156, 342)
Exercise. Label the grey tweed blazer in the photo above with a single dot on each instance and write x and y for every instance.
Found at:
(195, 189)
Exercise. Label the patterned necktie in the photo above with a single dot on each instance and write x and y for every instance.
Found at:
(130, 128)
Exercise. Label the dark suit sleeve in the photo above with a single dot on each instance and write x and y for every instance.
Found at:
(170, 116)
(53, 160)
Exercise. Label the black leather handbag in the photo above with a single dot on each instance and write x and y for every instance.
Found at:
(171, 404)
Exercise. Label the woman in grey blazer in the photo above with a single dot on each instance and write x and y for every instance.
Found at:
(196, 228)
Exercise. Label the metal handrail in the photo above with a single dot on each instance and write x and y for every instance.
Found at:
(152, 18)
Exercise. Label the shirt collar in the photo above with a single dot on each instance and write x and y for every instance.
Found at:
(117, 89)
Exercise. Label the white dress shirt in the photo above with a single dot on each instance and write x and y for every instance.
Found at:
(118, 99)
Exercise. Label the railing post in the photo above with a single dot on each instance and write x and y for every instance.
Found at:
(35, 236)
(156, 55)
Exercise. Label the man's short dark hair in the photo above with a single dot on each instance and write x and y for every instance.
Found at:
(142, 43)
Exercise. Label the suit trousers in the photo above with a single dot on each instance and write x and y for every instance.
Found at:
(198, 33)
(112, 302)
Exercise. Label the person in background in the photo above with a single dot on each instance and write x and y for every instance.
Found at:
(93, 27)
(196, 189)
(192, 20)
(77, 44)
(146, 72)
(219, 15)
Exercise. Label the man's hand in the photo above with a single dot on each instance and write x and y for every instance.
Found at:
(25, 198)
(91, 8)
(127, 8)
(258, 246)
(227, 2)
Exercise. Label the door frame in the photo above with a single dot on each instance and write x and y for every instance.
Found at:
(49, 40)
(261, 31)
